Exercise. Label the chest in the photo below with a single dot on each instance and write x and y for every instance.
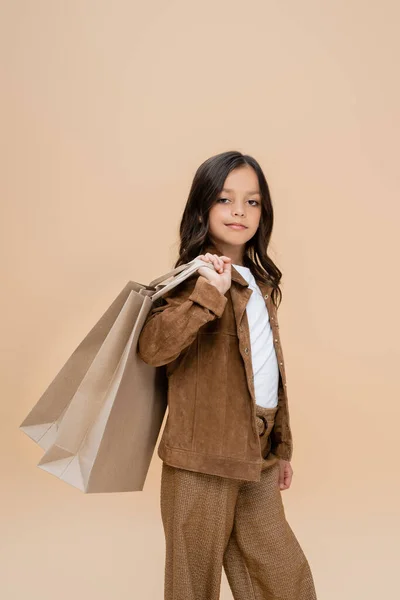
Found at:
(235, 318)
(234, 322)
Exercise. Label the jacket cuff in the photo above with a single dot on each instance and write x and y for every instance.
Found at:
(207, 295)
(283, 450)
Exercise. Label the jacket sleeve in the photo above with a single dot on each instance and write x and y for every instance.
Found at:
(281, 434)
(282, 441)
(170, 328)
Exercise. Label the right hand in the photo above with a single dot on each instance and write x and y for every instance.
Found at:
(221, 276)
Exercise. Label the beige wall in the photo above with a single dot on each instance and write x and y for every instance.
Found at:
(108, 109)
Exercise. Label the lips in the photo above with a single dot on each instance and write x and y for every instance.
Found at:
(236, 226)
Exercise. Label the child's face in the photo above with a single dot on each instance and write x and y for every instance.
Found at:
(240, 202)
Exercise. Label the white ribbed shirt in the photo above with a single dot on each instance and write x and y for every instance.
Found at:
(263, 356)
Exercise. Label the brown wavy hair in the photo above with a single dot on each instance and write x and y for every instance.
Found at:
(194, 237)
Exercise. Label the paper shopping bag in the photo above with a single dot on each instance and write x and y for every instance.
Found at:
(99, 419)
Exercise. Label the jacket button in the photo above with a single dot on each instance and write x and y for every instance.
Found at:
(276, 340)
(281, 363)
(266, 296)
(246, 350)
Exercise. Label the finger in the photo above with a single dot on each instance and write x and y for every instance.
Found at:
(220, 264)
(214, 260)
(283, 484)
(288, 478)
(227, 265)
(287, 483)
(281, 478)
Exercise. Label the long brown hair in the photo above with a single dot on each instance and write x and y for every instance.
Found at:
(194, 237)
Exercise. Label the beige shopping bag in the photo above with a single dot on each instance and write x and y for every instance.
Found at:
(99, 419)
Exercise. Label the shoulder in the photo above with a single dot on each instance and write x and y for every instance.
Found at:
(179, 292)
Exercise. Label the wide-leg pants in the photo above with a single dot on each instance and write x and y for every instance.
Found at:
(212, 522)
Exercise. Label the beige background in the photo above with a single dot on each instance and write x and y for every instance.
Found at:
(108, 109)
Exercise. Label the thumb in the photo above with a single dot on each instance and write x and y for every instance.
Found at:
(227, 262)
(281, 479)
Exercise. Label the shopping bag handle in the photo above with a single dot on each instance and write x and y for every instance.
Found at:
(175, 271)
(179, 274)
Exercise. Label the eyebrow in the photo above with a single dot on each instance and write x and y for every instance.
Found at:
(251, 192)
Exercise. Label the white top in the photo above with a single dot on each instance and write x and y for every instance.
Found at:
(263, 356)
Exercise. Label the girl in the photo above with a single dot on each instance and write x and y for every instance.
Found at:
(227, 443)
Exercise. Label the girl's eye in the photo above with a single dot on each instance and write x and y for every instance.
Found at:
(256, 201)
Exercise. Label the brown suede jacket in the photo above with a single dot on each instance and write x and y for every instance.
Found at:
(203, 338)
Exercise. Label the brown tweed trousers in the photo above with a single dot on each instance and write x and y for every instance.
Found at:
(212, 522)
